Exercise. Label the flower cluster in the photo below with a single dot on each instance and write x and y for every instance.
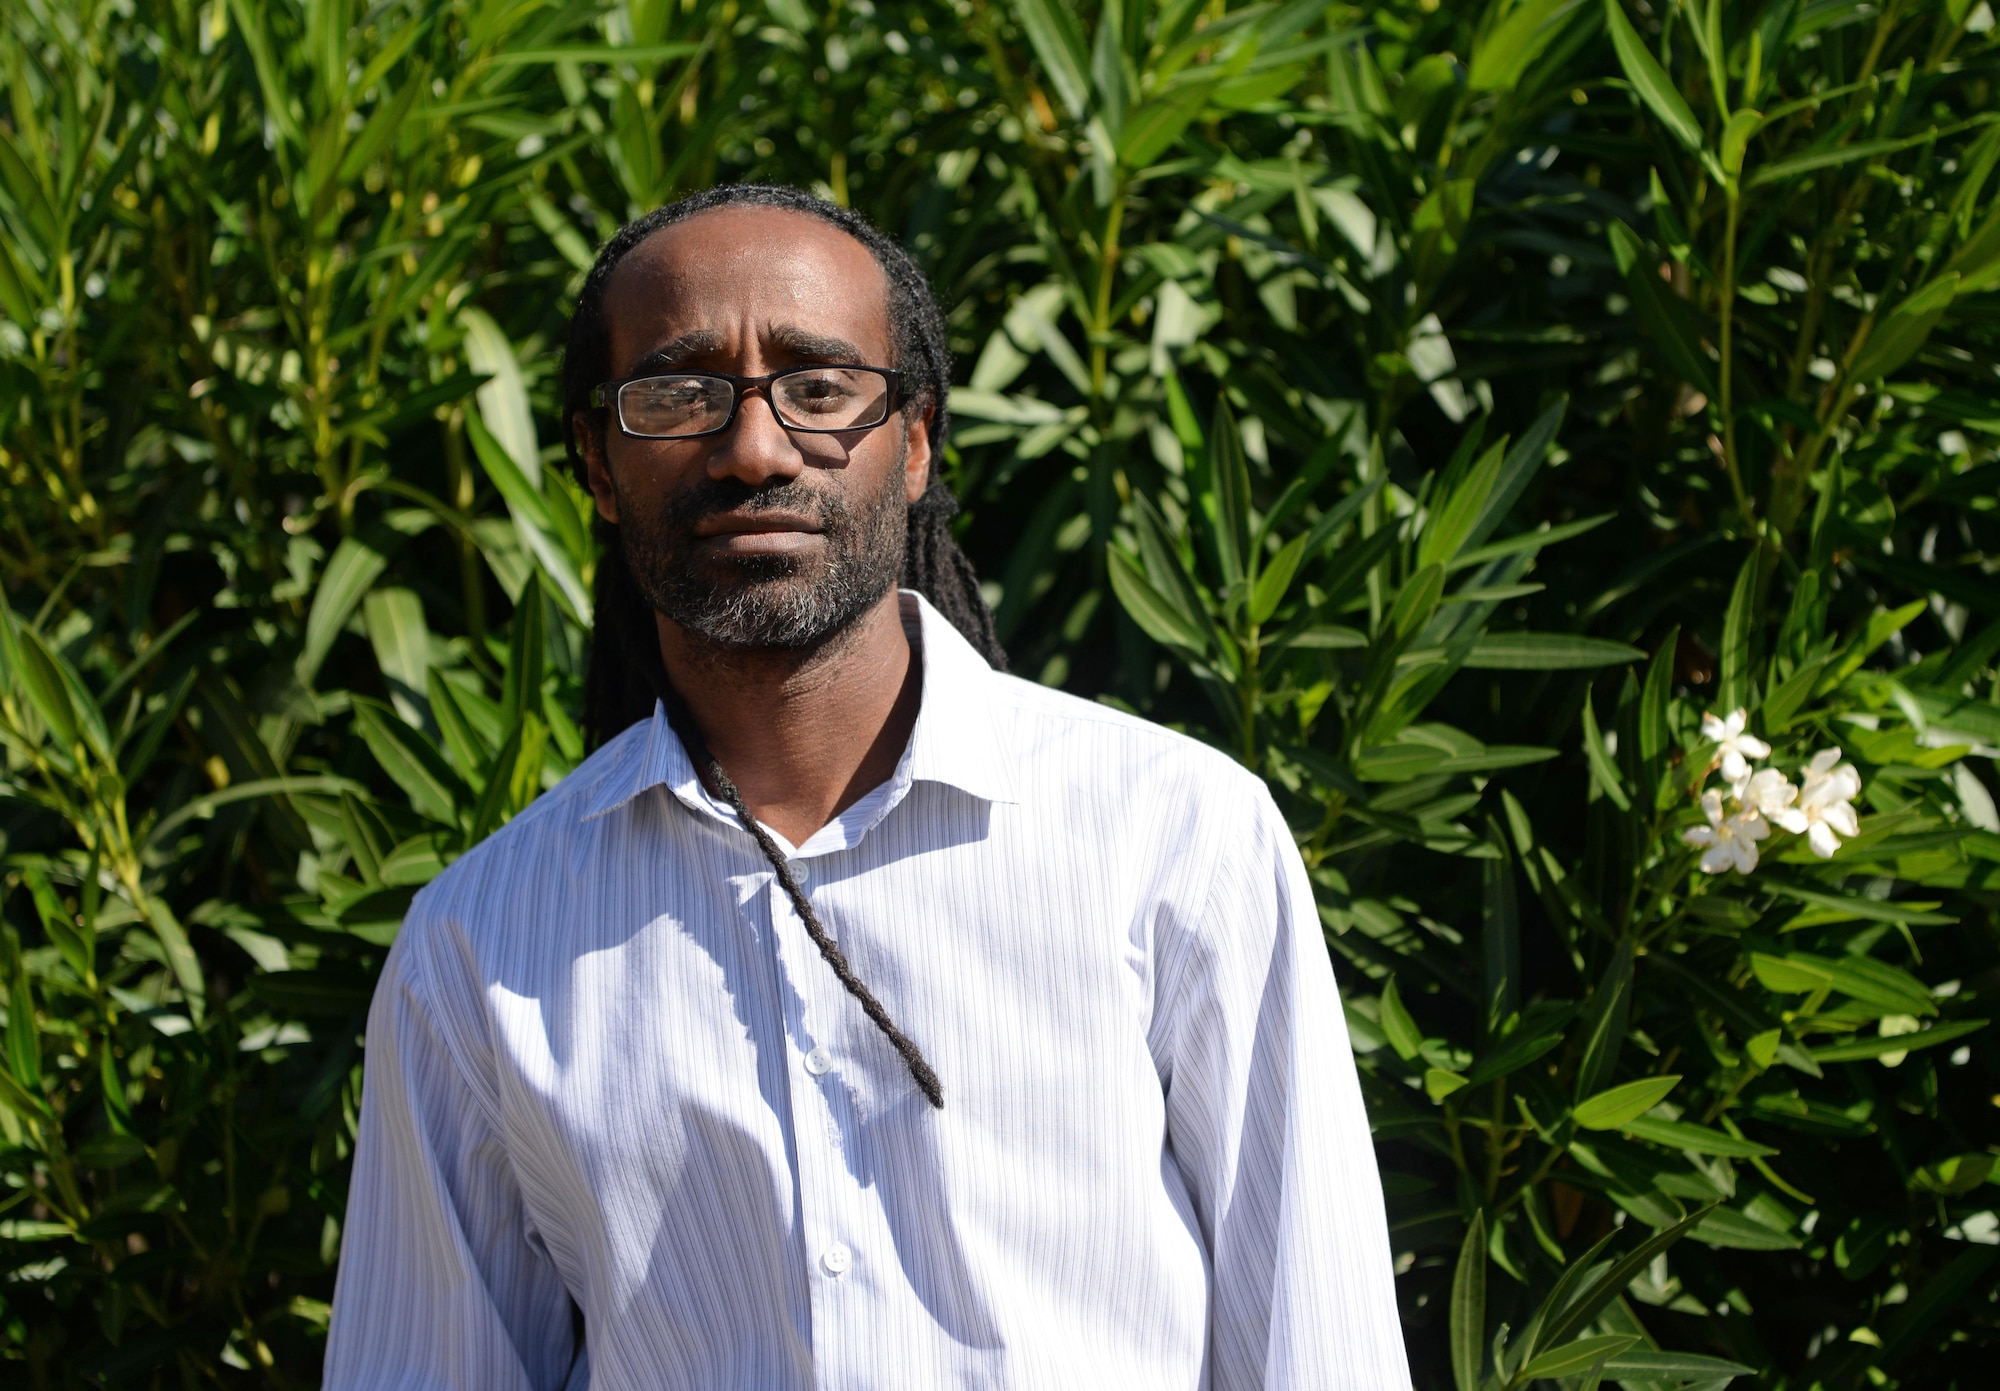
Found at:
(1821, 807)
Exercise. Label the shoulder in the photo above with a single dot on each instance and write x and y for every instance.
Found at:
(536, 852)
(1107, 741)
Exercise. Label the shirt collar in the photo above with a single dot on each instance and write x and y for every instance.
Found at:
(958, 740)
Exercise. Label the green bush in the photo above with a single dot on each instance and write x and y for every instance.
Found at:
(1448, 409)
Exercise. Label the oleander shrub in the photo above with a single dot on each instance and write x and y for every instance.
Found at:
(1555, 442)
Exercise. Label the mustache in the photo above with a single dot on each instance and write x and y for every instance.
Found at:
(732, 496)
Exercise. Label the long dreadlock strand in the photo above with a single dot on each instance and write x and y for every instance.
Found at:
(626, 675)
(684, 724)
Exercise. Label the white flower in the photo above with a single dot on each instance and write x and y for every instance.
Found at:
(1730, 842)
(1768, 793)
(1733, 745)
(1824, 812)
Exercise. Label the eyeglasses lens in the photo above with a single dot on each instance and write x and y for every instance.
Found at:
(673, 405)
(831, 398)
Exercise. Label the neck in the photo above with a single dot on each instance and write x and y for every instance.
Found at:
(804, 734)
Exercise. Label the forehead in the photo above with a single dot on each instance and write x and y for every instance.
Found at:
(740, 271)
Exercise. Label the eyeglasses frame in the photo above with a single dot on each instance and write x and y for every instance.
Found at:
(605, 396)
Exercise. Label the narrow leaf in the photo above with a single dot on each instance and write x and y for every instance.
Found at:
(1649, 79)
(1733, 682)
(1609, 1110)
(1547, 652)
(1404, 1035)
(1468, 1306)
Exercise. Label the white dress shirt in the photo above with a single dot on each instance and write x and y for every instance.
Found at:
(607, 1067)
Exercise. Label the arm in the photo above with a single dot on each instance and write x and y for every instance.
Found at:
(443, 1284)
(1265, 1118)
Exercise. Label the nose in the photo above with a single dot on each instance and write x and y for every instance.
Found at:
(755, 449)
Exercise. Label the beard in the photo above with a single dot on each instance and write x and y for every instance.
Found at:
(782, 602)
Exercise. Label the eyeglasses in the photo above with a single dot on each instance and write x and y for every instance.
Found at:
(818, 400)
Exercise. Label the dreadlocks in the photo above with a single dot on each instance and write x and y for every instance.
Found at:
(626, 675)
(621, 684)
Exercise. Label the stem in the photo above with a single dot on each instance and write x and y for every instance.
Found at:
(1727, 387)
(1100, 318)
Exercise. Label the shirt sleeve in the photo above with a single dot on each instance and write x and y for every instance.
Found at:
(1265, 1119)
(443, 1284)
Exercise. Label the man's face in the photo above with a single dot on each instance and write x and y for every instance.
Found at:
(756, 537)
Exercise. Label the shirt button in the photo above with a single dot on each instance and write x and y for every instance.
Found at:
(801, 872)
(836, 1259)
(819, 1062)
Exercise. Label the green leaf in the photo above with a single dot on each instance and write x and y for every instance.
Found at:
(1701, 1139)
(1955, 1176)
(1276, 580)
(179, 952)
(75, 940)
(1606, 1021)
(1786, 170)
(1516, 470)
(1898, 337)
(24, 1043)
(1646, 1366)
(435, 791)
(402, 642)
(39, 675)
(1733, 683)
(1157, 615)
(639, 54)
(1513, 1054)
(1158, 125)
(1862, 1049)
(1833, 908)
(1441, 1082)
(1547, 652)
(1504, 55)
(1468, 1306)
(1579, 1315)
(1574, 1357)
(1452, 515)
(355, 566)
(521, 692)
(1736, 1231)
(1500, 942)
(1668, 319)
(1603, 770)
(1530, 541)
(504, 411)
(1736, 139)
(1229, 474)
(1861, 978)
(1057, 39)
(1609, 1110)
(1404, 1035)
(524, 498)
(1649, 79)
(1654, 735)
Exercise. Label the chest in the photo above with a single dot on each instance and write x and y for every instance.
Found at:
(682, 1031)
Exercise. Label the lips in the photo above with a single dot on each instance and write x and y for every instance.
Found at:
(754, 524)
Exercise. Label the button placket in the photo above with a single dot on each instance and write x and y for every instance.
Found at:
(832, 1208)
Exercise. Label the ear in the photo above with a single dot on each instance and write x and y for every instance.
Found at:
(917, 451)
(597, 469)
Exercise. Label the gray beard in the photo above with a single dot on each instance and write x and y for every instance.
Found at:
(768, 601)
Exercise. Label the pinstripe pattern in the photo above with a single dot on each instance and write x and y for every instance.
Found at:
(606, 1065)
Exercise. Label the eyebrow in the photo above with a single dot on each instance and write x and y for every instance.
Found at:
(785, 338)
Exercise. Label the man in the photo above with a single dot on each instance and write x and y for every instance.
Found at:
(856, 1016)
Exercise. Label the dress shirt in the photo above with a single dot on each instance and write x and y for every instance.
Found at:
(609, 1075)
